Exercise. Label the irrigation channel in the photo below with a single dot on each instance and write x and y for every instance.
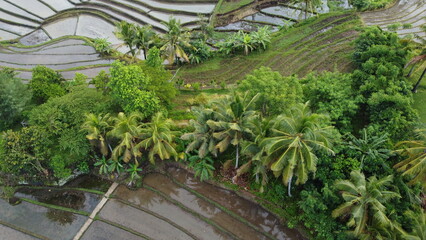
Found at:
(170, 205)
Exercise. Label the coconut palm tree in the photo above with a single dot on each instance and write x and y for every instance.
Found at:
(230, 126)
(174, 40)
(157, 138)
(295, 139)
(415, 162)
(97, 127)
(364, 201)
(127, 130)
(255, 152)
(144, 38)
(418, 227)
(201, 138)
(126, 32)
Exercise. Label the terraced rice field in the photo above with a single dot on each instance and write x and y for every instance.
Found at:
(411, 12)
(45, 29)
(169, 206)
(297, 51)
(71, 17)
(284, 13)
(66, 55)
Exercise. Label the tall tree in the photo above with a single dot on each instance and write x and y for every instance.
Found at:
(127, 32)
(415, 162)
(175, 38)
(144, 38)
(364, 201)
(295, 138)
(157, 138)
(232, 114)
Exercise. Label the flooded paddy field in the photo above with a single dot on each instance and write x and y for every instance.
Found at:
(172, 206)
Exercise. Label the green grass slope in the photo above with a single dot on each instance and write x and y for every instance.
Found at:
(420, 96)
(322, 43)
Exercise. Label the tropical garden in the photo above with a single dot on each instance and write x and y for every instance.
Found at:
(338, 155)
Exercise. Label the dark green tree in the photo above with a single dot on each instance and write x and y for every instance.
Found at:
(14, 99)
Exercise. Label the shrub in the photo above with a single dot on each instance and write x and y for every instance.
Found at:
(153, 58)
(102, 46)
(245, 42)
(199, 52)
(196, 86)
(101, 81)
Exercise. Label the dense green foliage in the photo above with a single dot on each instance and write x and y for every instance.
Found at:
(385, 93)
(261, 136)
(245, 42)
(46, 83)
(129, 86)
(369, 4)
(276, 92)
(331, 93)
(53, 144)
(14, 97)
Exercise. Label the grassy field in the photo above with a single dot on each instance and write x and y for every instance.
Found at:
(224, 6)
(420, 96)
(322, 43)
(188, 98)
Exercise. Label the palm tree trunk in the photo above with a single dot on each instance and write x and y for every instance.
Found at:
(237, 157)
(411, 71)
(144, 53)
(110, 148)
(289, 186)
(306, 10)
(418, 82)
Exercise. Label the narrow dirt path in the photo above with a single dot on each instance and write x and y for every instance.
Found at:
(95, 211)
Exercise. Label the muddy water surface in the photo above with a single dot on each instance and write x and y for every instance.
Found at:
(101, 231)
(202, 207)
(51, 223)
(250, 211)
(140, 221)
(151, 201)
(77, 200)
